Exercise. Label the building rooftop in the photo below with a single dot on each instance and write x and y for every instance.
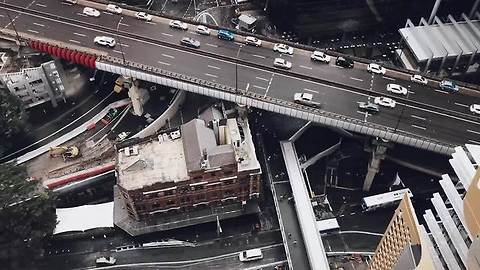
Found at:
(140, 166)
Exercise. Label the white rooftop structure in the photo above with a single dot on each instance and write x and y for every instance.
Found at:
(84, 218)
(139, 165)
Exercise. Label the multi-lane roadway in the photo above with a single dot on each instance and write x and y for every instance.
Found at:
(426, 110)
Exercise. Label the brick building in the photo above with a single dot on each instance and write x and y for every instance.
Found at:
(208, 162)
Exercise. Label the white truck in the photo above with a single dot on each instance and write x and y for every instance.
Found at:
(306, 99)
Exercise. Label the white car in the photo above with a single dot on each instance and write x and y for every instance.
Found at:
(376, 68)
(475, 108)
(385, 101)
(105, 261)
(418, 79)
(305, 99)
(105, 41)
(282, 63)
(143, 16)
(282, 48)
(320, 56)
(178, 24)
(203, 30)
(114, 9)
(396, 89)
(250, 255)
(91, 12)
(253, 41)
(73, 2)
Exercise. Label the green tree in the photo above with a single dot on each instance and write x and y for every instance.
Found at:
(27, 216)
(12, 118)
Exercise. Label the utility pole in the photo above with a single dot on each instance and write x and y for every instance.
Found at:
(13, 26)
(236, 68)
(118, 38)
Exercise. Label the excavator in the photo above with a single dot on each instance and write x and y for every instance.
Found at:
(66, 152)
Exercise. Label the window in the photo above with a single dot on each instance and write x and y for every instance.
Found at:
(168, 192)
(170, 202)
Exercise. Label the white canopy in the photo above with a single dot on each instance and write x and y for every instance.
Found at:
(84, 218)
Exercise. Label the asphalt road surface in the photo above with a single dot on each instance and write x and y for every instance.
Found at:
(425, 111)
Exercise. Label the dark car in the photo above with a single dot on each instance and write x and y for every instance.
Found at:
(449, 86)
(190, 42)
(344, 62)
(368, 106)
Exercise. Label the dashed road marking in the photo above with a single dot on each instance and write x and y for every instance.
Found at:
(473, 131)
(214, 67)
(356, 79)
(388, 78)
(418, 117)
(211, 45)
(41, 5)
(305, 67)
(74, 41)
(259, 87)
(460, 104)
(39, 24)
(124, 24)
(441, 91)
(169, 56)
(262, 79)
(473, 141)
(163, 63)
(419, 127)
(124, 45)
(259, 56)
(310, 90)
(32, 31)
(80, 35)
(211, 75)
(168, 35)
(151, 23)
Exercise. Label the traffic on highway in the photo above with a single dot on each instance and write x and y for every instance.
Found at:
(410, 103)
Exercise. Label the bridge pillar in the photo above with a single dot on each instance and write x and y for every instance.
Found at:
(139, 96)
(378, 149)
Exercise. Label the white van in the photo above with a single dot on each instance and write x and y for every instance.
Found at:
(250, 255)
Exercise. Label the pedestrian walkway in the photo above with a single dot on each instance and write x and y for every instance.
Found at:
(306, 217)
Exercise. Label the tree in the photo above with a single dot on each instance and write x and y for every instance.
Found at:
(12, 118)
(27, 216)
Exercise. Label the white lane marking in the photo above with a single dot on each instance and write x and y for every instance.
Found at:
(305, 67)
(259, 56)
(473, 131)
(473, 141)
(238, 43)
(310, 90)
(338, 66)
(81, 14)
(262, 79)
(211, 45)
(41, 5)
(259, 87)
(1, 15)
(418, 117)
(151, 23)
(269, 84)
(39, 24)
(32, 31)
(169, 56)
(460, 104)
(117, 51)
(74, 41)
(356, 79)
(388, 78)
(124, 24)
(441, 91)
(168, 35)
(163, 63)
(211, 75)
(124, 45)
(214, 67)
(108, 13)
(248, 86)
(419, 127)
(411, 92)
(80, 35)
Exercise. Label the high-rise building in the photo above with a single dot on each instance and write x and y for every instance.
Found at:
(452, 240)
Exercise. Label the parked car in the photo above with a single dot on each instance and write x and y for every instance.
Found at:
(385, 101)
(396, 89)
(190, 42)
(344, 62)
(253, 41)
(368, 106)
(104, 41)
(418, 79)
(282, 63)
(282, 48)
(250, 255)
(73, 2)
(114, 9)
(475, 108)
(306, 99)
(91, 12)
(203, 30)
(178, 25)
(225, 34)
(376, 68)
(143, 16)
(320, 56)
(449, 86)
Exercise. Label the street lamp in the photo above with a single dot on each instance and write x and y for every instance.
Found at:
(13, 26)
(236, 68)
(118, 38)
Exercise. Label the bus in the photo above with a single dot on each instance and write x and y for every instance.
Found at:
(327, 225)
(384, 199)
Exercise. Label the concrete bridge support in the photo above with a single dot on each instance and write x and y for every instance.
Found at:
(379, 151)
(139, 97)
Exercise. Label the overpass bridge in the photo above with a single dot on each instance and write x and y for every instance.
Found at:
(426, 118)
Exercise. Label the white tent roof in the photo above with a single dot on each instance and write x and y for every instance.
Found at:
(85, 217)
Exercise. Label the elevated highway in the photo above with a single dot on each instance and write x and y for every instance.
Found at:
(426, 118)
